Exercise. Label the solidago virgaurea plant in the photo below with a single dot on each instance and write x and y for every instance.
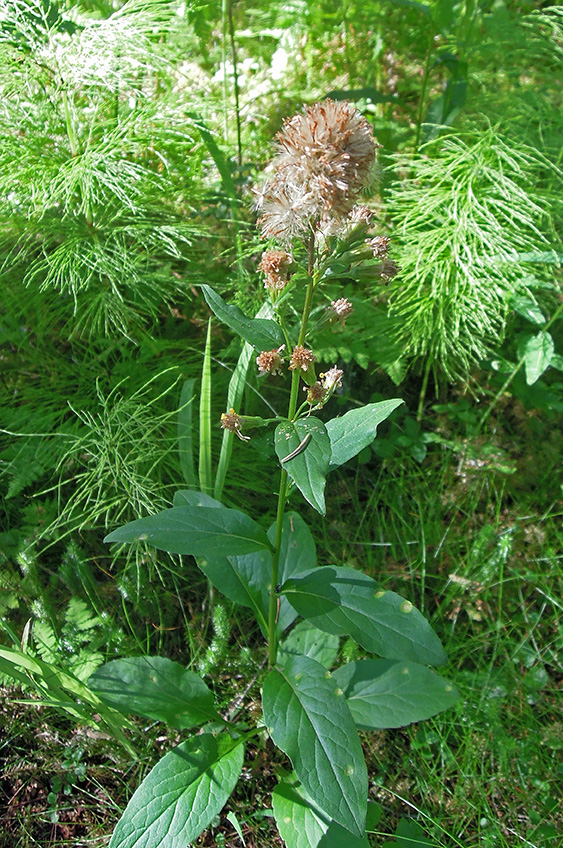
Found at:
(311, 710)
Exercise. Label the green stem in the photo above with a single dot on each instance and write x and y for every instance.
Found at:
(423, 390)
(282, 493)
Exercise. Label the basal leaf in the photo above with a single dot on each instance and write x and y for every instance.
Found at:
(181, 795)
(200, 531)
(384, 693)
(297, 553)
(305, 640)
(312, 724)
(261, 333)
(357, 429)
(344, 601)
(308, 469)
(157, 688)
(303, 825)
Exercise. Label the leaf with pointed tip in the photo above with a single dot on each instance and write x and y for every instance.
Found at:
(537, 352)
(302, 825)
(155, 687)
(357, 429)
(182, 795)
(308, 469)
(243, 579)
(344, 601)
(192, 497)
(200, 531)
(261, 333)
(384, 693)
(311, 723)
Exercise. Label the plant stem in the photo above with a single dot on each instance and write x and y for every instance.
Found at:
(282, 492)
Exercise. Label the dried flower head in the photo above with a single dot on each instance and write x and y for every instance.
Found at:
(361, 214)
(276, 264)
(332, 379)
(325, 159)
(301, 358)
(316, 394)
(231, 421)
(389, 269)
(270, 361)
(340, 309)
(379, 245)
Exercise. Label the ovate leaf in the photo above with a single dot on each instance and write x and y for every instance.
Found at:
(261, 333)
(537, 352)
(201, 531)
(181, 795)
(303, 825)
(384, 693)
(312, 724)
(357, 429)
(308, 469)
(157, 688)
(344, 601)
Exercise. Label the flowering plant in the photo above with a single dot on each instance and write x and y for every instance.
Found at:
(312, 713)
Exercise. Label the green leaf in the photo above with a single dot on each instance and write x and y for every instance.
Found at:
(205, 531)
(297, 553)
(384, 693)
(185, 433)
(357, 429)
(204, 464)
(157, 688)
(409, 834)
(181, 795)
(537, 352)
(528, 308)
(191, 497)
(308, 641)
(344, 601)
(242, 579)
(261, 333)
(302, 825)
(309, 468)
(312, 724)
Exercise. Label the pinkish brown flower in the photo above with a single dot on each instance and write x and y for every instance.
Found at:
(231, 421)
(379, 246)
(316, 394)
(270, 361)
(301, 358)
(276, 264)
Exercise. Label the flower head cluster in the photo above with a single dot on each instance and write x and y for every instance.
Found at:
(325, 157)
(301, 359)
(233, 422)
(276, 265)
(270, 361)
(322, 389)
(379, 245)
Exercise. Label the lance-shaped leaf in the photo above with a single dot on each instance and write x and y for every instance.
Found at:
(302, 825)
(261, 333)
(201, 531)
(181, 795)
(357, 429)
(384, 693)
(309, 441)
(311, 723)
(344, 601)
(157, 688)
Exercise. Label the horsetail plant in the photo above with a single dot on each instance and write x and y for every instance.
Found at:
(310, 710)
